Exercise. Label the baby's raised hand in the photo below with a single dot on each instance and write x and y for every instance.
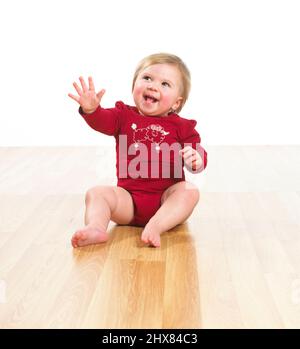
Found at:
(191, 158)
(88, 99)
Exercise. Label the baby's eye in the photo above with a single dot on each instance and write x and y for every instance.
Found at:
(146, 77)
(166, 84)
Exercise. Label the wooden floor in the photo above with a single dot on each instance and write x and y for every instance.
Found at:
(235, 264)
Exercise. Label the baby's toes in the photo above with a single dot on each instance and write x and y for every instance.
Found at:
(78, 236)
(155, 240)
(74, 241)
(145, 238)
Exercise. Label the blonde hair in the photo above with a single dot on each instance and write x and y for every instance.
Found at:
(166, 58)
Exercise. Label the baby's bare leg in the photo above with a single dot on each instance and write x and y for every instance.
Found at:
(178, 203)
(103, 203)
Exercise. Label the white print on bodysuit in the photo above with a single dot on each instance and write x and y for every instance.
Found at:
(153, 133)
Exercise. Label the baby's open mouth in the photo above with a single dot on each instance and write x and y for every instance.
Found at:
(150, 99)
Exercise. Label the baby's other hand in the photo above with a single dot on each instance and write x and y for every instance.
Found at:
(191, 158)
(88, 99)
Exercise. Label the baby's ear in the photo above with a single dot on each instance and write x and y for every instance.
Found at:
(177, 104)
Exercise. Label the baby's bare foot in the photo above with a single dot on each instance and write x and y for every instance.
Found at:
(151, 236)
(88, 236)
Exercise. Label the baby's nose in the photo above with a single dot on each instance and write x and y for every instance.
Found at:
(152, 87)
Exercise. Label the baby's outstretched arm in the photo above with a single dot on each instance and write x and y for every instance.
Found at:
(88, 99)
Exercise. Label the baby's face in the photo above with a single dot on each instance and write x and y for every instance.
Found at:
(157, 90)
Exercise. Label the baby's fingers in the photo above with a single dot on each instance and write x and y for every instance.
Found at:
(74, 97)
(187, 153)
(100, 94)
(195, 165)
(83, 84)
(77, 88)
(91, 84)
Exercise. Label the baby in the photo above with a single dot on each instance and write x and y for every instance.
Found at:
(151, 191)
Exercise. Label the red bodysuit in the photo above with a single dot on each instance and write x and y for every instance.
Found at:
(145, 165)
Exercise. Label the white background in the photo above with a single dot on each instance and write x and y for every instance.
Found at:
(243, 55)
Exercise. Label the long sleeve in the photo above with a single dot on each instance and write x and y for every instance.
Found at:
(106, 121)
(189, 136)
